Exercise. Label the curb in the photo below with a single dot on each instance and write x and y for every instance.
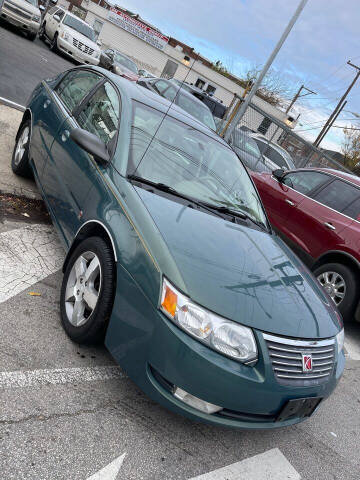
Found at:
(9, 103)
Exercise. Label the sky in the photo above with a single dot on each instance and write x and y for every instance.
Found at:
(242, 34)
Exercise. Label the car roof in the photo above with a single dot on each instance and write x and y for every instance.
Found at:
(344, 175)
(184, 92)
(123, 54)
(140, 94)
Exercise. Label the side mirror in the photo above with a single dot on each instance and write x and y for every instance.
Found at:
(53, 2)
(91, 144)
(56, 18)
(279, 174)
(98, 42)
(41, 8)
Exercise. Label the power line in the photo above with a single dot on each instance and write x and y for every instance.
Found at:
(338, 107)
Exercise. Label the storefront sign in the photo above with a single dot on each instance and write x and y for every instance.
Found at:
(148, 34)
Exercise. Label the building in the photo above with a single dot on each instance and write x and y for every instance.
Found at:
(164, 55)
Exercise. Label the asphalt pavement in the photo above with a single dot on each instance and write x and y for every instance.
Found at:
(23, 64)
(68, 412)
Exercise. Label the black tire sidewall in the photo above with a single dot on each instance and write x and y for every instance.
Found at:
(53, 45)
(349, 303)
(23, 167)
(93, 331)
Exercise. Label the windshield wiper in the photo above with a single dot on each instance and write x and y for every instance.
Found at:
(235, 213)
(166, 188)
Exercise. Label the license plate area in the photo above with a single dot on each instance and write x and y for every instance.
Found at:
(298, 408)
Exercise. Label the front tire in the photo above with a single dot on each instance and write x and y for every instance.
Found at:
(31, 36)
(42, 32)
(87, 291)
(341, 284)
(20, 158)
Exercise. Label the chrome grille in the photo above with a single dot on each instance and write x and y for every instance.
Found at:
(18, 11)
(82, 47)
(287, 361)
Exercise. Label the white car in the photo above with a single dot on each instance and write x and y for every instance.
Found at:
(24, 14)
(71, 35)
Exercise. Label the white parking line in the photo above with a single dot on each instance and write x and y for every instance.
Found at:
(27, 255)
(270, 465)
(38, 378)
(110, 472)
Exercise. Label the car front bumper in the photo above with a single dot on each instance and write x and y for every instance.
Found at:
(18, 20)
(73, 52)
(157, 355)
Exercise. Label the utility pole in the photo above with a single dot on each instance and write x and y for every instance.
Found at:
(338, 106)
(264, 71)
(299, 96)
(331, 123)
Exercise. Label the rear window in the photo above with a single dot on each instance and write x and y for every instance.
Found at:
(338, 195)
(201, 113)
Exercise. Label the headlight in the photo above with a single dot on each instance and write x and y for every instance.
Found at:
(65, 36)
(227, 337)
(36, 18)
(340, 338)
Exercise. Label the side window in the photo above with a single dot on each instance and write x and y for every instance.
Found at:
(170, 93)
(60, 13)
(101, 113)
(353, 210)
(275, 157)
(338, 195)
(73, 88)
(160, 86)
(305, 182)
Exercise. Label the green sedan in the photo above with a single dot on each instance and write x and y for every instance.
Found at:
(170, 257)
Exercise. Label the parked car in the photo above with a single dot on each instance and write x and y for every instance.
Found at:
(24, 14)
(120, 64)
(317, 211)
(172, 92)
(216, 107)
(171, 257)
(274, 155)
(70, 35)
(248, 151)
(145, 73)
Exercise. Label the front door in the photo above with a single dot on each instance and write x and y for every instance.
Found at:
(74, 170)
(66, 98)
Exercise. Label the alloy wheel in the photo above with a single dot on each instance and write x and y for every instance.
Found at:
(334, 285)
(83, 288)
(21, 145)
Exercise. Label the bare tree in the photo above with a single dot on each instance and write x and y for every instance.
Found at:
(351, 146)
(275, 89)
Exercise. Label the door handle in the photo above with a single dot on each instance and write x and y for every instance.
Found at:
(329, 225)
(65, 135)
(46, 103)
(292, 204)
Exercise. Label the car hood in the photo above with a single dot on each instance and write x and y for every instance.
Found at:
(22, 4)
(242, 273)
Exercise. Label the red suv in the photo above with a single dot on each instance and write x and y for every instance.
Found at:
(317, 212)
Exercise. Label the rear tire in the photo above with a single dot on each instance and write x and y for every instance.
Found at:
(31, 36)
(53, 44)
(42, 32)
(20, 158)
(87, 291)
(331, 276)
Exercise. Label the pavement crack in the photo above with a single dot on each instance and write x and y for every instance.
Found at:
(45, 418)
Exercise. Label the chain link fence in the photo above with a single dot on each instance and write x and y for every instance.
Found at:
(265, 143)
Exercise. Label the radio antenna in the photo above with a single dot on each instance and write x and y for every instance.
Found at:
(166, 113)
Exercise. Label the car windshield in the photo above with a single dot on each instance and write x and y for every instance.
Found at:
(191, 162)
(245, 143)
(196, 109)
(33, 2)
(80, 27)
(126, 62)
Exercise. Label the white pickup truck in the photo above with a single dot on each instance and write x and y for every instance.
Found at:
(69, 34)
(24, 14)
